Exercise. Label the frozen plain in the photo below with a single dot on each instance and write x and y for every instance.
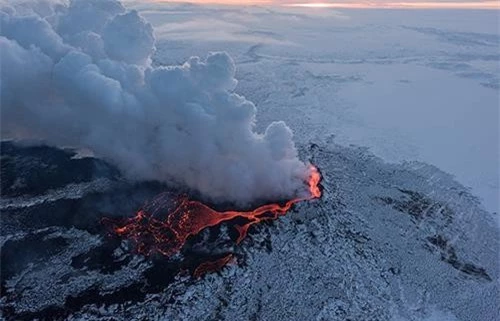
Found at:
(417, 85)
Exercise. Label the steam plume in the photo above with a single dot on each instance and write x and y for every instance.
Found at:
(79, 74)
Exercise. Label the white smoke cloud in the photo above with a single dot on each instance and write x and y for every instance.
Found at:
(79, 74)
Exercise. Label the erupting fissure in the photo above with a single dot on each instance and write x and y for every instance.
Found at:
(151, 234)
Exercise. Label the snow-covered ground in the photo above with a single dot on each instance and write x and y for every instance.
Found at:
(409, 85)
(386, 242)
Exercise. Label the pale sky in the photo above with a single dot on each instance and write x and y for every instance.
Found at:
(416, 4)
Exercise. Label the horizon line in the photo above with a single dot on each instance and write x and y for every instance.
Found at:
(482, 5)
(474, 5)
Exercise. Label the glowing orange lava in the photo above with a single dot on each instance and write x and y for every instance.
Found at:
(167, 236)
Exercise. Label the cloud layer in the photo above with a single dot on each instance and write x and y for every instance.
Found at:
(80, 74)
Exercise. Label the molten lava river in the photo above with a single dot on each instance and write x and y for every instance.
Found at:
(153, 231)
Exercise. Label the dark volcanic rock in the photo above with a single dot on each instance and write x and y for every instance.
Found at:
(34, 170)
(56, 254)
(449, 255)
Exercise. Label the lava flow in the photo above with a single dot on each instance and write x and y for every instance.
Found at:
(151, 234)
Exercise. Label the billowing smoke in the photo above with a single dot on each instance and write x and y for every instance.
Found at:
(79, 74)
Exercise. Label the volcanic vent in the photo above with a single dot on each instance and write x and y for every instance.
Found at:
(164, 224)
